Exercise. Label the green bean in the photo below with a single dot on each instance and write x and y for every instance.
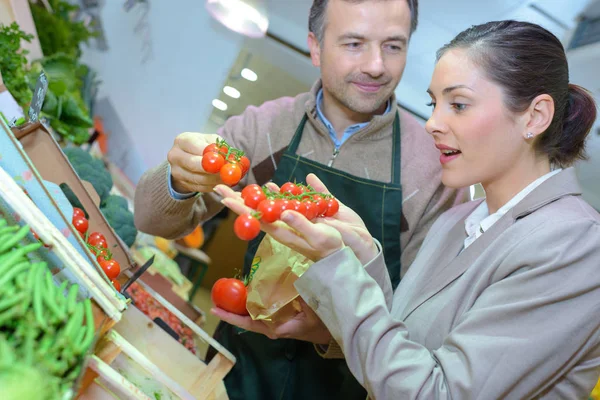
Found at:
(45, 344)
(7, 303)
(28, 346)
(17, 269)
(3, 223)
(72, 298)
(9, 314)
(75, 322)
(37, 297)
(49, 297)
(7, 355)
(14, 239)
(5, 231)
(89, 320)
(13, 256)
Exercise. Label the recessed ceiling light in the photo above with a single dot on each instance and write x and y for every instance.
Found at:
(231, 92)
(249, 74)
(219, 104)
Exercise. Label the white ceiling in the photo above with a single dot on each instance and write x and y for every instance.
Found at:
(439, 22)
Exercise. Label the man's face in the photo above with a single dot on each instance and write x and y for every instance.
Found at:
(363, 52)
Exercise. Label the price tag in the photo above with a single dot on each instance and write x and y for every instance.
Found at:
(39, 93)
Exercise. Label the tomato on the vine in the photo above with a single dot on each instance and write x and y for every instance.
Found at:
(81, 224)
(321, 204)
(252, 200)
(311, 210)
(230, 295)
(231, 174)
(212, 148)
(332, 207)
(250, 189)
(245, 163)
(111, 268)
(212, 162)
(78, 212)
(270, 210)
(290, 188)
(97, 239)
(246, 227)
(116, 284)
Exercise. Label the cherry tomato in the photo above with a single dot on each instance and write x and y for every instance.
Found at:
(250, 189)
(246, 227)
(321, 204)
(212, 148)
(230, 295)
(253, 200)
(332, 207)
(111, 268)
(291, 188)
(81, 224)
(102, 255)
(231, 174)
(78, 212)
(116, 284)
(298, 206)
(311, 210)
(270, 210)
(97, 239)
(287, 205)
(245, 163)
(212, 162)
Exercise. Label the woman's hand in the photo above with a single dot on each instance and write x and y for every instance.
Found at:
(314, 240)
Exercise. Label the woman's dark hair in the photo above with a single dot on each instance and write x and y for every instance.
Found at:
(526, 60)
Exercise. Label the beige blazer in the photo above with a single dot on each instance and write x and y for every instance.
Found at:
(516, 315)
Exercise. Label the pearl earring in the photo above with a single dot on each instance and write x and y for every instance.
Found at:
(529, 135)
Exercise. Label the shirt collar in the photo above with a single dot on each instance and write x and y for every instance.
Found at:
(349, 130)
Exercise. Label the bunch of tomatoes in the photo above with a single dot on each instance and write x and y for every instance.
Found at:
(98, 245)
(229, 162)
(269, 205)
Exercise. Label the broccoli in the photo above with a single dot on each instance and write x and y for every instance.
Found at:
(90, 169)
(120, 218)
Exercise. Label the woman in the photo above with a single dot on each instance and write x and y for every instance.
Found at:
(503, 299)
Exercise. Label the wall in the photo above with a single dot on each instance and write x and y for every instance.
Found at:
(161, 79)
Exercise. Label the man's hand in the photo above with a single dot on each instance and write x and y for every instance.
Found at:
(305, 326)
(185, 158)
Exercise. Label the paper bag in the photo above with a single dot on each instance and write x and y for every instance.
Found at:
(271, 292)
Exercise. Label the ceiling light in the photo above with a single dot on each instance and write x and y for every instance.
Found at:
(248, 17)
(219, 104)
(249, 74)
(231, 92)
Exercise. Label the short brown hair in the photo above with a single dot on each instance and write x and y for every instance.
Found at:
(316, 18)
(527, 60)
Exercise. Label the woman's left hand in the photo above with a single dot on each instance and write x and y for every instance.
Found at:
(306, 325)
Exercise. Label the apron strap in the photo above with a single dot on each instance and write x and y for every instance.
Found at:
(396, 148)
(293, 146)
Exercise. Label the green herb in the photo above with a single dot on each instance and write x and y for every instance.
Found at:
(13, 62)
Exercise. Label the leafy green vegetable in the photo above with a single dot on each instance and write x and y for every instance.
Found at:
(121, 220)
(90, 169)
(13, 62)
(57, 32)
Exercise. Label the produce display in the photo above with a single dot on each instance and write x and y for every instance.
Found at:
(229, 162)
(269, 205)
(45, 331)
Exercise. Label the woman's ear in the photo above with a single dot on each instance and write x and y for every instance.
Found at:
(541, 113)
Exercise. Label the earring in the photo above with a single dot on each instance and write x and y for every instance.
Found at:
(529, 135)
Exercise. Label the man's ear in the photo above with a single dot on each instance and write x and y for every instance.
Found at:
(315, 49)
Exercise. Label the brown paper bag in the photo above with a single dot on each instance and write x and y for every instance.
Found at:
(271, 292)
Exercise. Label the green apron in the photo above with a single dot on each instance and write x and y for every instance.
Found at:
(291, 369)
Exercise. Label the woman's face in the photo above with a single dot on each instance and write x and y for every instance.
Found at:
(479, 139)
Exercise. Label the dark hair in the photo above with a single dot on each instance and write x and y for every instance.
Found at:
(526, 60)
(316, 18)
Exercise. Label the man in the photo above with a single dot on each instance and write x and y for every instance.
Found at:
(347, 130)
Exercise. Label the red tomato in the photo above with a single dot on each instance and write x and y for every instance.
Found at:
(230, 295)
(116, 284)
(111, 268)
(250, 189)
(298, 206)
(212, 148)
(212, 162)
(270, 210)
(97, 239)
(287, 205)
(245, 163)
(311, 210)
(78, 212)
(332, 207)
(231, 174)
(81, 224)
(321, 204)
(246, 227)
(291, 188)
(253, 200)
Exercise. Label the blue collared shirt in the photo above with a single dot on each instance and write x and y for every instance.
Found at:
(352, 129)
